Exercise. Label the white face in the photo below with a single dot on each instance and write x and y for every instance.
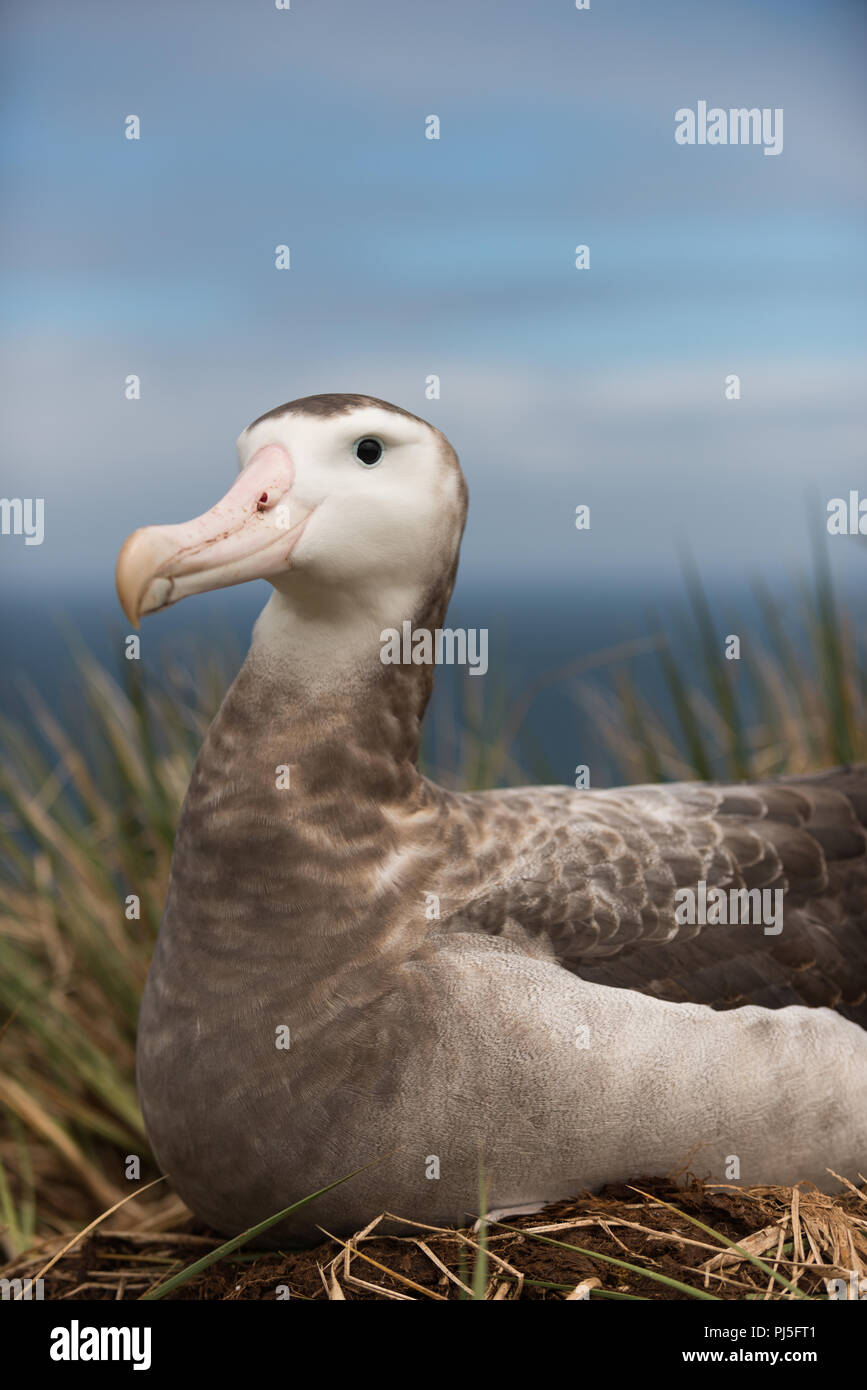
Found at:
(364, 508)
(386, 510)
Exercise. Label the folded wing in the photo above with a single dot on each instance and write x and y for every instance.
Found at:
(595, 875)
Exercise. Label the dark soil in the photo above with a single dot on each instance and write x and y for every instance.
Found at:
(811, 1237)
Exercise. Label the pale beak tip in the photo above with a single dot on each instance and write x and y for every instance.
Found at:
(133, 573)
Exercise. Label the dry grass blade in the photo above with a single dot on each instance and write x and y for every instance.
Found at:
(851, 1186)
(443, 1268)
(582, 1291)
(755, 1244)
(775, 1267)
(98, 1220)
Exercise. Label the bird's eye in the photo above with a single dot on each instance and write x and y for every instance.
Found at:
(368, 452)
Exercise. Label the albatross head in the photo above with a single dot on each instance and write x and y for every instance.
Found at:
(340, 499)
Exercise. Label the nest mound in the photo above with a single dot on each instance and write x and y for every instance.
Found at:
(647, 1240)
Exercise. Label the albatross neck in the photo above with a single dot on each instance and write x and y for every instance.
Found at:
(304, 781)
(315, 681)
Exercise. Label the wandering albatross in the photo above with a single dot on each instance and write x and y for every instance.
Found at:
(555, 1020)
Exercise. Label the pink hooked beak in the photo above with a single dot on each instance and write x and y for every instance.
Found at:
(249, 534)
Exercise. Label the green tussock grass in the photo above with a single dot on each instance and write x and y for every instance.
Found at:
(87, 816)
(795, 701)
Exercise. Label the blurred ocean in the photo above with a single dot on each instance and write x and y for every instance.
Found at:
(548, 639)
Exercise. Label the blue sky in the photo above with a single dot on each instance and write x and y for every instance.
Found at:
(454, 257)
